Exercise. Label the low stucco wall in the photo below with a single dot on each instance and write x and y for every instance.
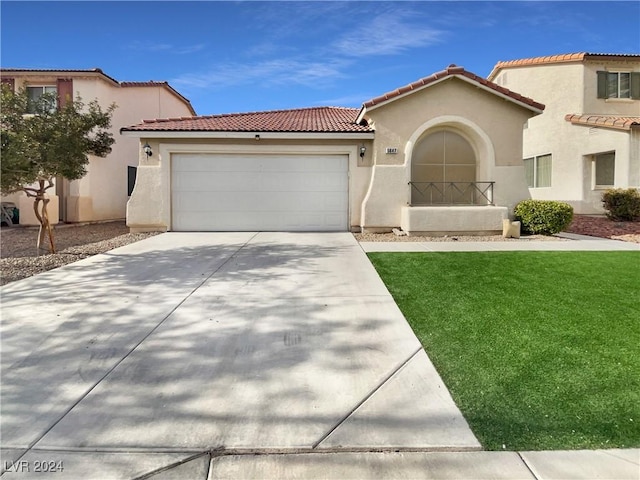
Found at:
(453, 220)
(388, 193)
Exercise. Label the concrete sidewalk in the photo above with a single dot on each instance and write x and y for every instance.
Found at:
(571, 243)
(615, 464)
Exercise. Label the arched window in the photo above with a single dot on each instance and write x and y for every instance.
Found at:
(439, 159)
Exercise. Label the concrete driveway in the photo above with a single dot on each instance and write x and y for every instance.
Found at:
(148, 358)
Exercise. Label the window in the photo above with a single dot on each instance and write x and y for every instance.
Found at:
(34, 94)
(538, 171)
(619, 85)
(131, 179)
(605, 169)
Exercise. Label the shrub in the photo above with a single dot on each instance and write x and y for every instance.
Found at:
(543, 216)
(622, 204)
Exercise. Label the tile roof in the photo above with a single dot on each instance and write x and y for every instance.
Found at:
(57, 70)
(605, 121)
(315, 119)
(563, 58)
(452, 71)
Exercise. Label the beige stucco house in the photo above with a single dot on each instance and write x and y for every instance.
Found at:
(103, 193)
(440, 155)
(588, 138)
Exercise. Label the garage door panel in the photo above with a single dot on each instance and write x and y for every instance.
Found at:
(215, 181)
(214, 192)
(259, 182)
(240, 202)
(262, 221)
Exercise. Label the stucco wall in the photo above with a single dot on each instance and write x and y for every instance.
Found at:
(149, 208)
(572, 89)
(491, 124)
(106, 183)
(102, 193)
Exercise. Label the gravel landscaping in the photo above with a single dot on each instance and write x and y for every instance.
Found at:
(19, 258)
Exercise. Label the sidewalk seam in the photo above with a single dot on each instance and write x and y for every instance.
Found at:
(527, 465)
(366, 397)
(174, 465)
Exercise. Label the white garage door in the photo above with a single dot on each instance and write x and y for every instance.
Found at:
(228, 192)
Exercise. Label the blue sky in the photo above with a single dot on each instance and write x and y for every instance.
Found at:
(258, 55)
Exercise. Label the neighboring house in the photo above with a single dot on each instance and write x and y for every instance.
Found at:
(103, 193)
(440, 155)
(588, 138)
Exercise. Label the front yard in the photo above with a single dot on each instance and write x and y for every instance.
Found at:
(540, 350)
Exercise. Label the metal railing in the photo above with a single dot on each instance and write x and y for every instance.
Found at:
(451, 193)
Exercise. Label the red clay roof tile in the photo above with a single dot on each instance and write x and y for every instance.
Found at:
(452, 70)
(606, 121)
(302, 120)
(562, 58)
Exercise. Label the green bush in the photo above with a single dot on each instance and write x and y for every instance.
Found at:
(543, 216)
(622, 204)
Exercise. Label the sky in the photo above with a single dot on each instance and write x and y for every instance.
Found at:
(230, 57)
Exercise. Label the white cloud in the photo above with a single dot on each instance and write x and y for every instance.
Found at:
(271, 72)
(285, 57)
(386, 34)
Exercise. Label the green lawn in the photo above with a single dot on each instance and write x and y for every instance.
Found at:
(540, 350)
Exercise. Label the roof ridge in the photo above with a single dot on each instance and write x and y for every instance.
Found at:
(320, 119)
(241, 114)
(143, 82)
(451, 71)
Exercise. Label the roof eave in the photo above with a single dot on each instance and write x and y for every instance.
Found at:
(611, 124)
(245, 135)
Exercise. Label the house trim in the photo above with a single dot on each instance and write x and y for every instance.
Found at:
(247, 135)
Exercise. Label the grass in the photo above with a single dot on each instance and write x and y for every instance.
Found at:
(540, 350)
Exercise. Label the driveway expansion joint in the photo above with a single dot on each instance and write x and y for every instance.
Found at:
(367, 397)
(174, 465)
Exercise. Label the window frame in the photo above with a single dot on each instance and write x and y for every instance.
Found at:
(536, 180)
(603, 85)
(617, 93)
(44, 91)
(132, 175)
(594, 184)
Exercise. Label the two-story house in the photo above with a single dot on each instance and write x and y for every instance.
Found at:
(103, 192)
(588, 138)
